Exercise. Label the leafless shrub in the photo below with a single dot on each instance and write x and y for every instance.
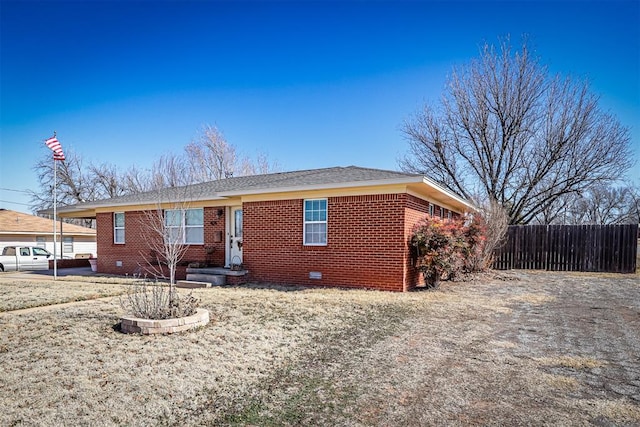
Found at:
(496, 221)
(150, 300)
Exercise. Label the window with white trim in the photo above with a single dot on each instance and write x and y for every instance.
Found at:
(118, 227)
(315, 222)
(41, 242)
(67, 245)
(448, 214)
(185, 226)
(431, 209)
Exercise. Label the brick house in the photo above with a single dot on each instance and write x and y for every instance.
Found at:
(340, 226)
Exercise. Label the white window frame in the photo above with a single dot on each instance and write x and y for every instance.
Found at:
(431, 210)
(116, 228)
(67, 245)
(307, 223)
(183, 226)
(449, 216)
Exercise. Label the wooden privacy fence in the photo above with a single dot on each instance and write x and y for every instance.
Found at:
(603, 248)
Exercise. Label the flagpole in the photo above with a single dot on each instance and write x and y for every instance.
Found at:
(58, 154)
(55, 215)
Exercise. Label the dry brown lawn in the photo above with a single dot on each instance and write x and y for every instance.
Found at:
(16, 294)
(521, 348)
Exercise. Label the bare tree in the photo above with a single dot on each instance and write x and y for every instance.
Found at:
(261, 165)
(163, 231)
(106, 181)
(73, 183)
(165, 236)
(136, 180)
(170, 170)
(77, 182)
(164, 240)
(600, 204)
(508, 130)
(210, 156)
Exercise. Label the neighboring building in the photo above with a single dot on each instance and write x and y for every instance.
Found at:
(17, 228)
(341, 226)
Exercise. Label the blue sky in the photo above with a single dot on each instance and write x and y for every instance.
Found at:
(311, 84)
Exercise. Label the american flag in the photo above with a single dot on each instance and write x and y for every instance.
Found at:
(55, 146)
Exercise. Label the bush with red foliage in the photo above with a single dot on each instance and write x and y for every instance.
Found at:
(446, 248)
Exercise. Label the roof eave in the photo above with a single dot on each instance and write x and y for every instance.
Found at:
(416, 179)
(86, 207)
(448, 193)
(325, 186)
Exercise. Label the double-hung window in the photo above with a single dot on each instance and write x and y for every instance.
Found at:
(118, 227)
(184, 226)
(67, 245)
(315, 222)
(431, 210)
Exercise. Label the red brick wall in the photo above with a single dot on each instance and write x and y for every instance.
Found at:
(367, 242)
(365, 245)
(415, 211)
(131, 252)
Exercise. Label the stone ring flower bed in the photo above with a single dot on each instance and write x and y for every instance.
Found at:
(136, 325)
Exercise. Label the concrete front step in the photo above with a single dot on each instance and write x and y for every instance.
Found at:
(216, 271)
(213, 279)
(192, 284)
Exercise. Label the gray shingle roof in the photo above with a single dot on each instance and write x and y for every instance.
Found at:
(327, 177)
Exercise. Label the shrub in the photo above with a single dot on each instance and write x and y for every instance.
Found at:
(446, 248)
(154, 301)
(496, 223)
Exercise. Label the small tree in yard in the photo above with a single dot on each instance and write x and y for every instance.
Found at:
(446, 248)
(164, 237)
(164, 234)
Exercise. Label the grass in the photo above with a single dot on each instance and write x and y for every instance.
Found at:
(21, 294)
(529, 350)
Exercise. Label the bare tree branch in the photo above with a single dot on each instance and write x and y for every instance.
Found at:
(508, 130)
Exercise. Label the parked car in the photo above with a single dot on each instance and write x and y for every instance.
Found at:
(16, 258)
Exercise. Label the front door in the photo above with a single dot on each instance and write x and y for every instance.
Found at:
(235, 236)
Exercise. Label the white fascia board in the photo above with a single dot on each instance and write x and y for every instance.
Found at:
(331, 186)
(447, 193)
(71, 209)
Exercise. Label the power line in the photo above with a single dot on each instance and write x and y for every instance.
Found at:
(15, 203)
(17, 191)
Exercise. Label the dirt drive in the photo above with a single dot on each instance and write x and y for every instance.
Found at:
(538, 348)
(514, 348)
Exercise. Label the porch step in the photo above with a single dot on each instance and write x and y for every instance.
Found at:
(216, 271)
(192, 284)
(213, 279)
